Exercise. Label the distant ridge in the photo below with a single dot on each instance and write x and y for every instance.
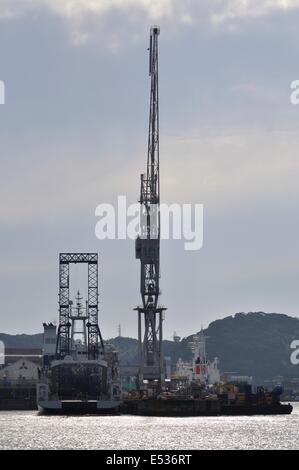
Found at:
(254, 343)
(22, 341)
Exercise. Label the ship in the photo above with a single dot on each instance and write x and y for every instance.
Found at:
(192, 407)
(197, 401)
(80, 373)
(77, 387)
(199, 369)
(197, 389)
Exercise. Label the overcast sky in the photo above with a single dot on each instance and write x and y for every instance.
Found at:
(74, 135)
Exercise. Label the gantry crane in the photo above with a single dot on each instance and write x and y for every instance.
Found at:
(148, 242)
(95, 345)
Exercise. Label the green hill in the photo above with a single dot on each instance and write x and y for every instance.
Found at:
(252, 343)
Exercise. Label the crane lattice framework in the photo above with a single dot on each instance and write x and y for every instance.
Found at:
(94, 337)
(148, 243)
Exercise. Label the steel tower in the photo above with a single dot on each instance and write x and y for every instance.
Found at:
(95, 345)
(148, 243)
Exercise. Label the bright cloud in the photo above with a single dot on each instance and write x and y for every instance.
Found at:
(81, 15)
(238, 9)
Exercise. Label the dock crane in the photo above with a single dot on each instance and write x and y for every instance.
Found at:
(148, 242)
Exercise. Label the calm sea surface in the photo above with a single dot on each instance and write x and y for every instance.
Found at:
(28, 430)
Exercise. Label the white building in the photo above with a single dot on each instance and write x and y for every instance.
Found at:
(22, 369)
(50, 337)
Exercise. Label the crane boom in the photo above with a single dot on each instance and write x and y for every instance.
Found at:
(148, 243)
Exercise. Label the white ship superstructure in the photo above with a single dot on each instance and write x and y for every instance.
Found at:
(200, 369)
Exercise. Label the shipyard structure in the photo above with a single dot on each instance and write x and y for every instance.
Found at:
(81, 375)
(80, 372)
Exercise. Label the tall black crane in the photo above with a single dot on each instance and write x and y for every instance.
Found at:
(148, 243)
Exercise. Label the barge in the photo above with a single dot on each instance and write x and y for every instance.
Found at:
(191, 407)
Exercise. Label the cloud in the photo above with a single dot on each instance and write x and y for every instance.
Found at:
(73, 135)
(260, 168)
(44, 191)
(238, 9)
(155, 9)
(87, 19)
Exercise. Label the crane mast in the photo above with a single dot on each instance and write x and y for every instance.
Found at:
(148, 243)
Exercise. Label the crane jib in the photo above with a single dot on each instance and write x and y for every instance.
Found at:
(147, 249)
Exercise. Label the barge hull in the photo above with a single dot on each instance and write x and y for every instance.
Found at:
(185, 408)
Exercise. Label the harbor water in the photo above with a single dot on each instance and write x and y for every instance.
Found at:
(28, 430)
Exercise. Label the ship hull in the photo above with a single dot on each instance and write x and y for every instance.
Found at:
(252, 410)
(78, 407)
(177, 408)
